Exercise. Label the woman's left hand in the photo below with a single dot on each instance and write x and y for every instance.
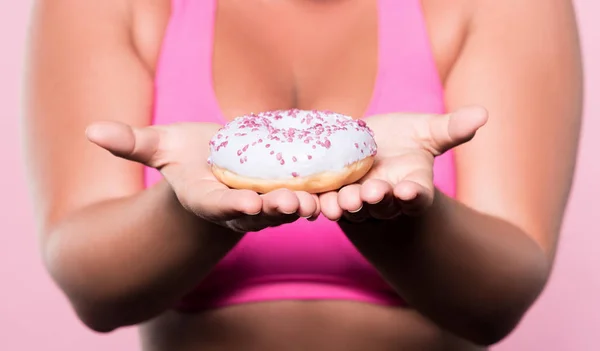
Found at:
(401, 179)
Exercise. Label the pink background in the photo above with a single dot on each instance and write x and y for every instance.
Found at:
(34, 315)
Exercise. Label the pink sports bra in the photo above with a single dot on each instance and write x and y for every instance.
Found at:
(303, 260)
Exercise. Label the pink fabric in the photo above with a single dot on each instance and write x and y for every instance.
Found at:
(303, 260)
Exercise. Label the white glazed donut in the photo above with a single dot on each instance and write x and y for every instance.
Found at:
(313, 151)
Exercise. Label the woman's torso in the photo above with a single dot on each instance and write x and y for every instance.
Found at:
(278, 55)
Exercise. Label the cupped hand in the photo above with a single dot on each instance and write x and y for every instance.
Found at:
(180, 152)
(401, 179)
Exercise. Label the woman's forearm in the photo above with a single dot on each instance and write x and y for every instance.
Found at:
(124, 261)
(471, 273)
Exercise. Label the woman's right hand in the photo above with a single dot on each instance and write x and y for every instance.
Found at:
(180, 152)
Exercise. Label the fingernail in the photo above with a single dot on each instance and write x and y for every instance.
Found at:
(356, 211)
(310, 218)
(91, 131)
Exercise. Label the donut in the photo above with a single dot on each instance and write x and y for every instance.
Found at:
(312, 151)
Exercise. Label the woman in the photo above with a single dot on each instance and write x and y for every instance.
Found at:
(399, 261)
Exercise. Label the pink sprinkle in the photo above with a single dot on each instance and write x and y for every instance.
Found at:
(356, 145)
(361, 123)
(279, 156)
(294, 174)
(239, 152)
(282, 162)
(294, 158)
(223, 144)
(245, 148)
(268, 145)
(272, 152)
(309, 157)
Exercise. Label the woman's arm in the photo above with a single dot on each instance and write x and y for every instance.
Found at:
(120, 253)
(474, 265)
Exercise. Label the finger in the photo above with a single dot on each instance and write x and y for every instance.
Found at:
(329, 206)
(280, 206)
(414, 197)
(262, 221)
(373, 191)
(450, 130)
(349, 198)
(216, 202)
(280, 201)
(307, 207)
(350, 201)
(317, 212)
(380, 200)
(136, 144)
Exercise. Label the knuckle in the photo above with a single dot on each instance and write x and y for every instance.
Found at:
(163, 146)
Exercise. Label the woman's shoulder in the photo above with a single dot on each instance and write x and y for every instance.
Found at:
(140, 22)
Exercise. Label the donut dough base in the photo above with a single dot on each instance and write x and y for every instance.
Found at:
(313, 184)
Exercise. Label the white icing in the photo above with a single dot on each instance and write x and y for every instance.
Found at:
(287, 144)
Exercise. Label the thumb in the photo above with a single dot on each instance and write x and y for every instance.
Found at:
(135, 144)
(456, 128)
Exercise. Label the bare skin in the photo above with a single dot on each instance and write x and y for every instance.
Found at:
(102, 63)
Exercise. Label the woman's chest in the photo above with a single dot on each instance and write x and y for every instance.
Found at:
(266, 55)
